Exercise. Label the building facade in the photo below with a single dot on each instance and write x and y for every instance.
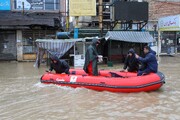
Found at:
(160, 9)
(24, 21)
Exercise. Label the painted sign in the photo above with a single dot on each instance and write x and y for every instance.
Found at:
(5, 5)
(82, 7)
(79, 61)
(170, 23)
(37, 4)
(73, 79)
(21, 3)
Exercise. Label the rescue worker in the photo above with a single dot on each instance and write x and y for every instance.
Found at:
(131, 63)
(149, 60)
(60, 66)
(142, 66)
(91, 58)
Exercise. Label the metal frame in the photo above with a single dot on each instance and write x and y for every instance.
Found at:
(126, 25)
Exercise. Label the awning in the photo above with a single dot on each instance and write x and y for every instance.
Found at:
(129, 36)
(53, 46)
(60, 47)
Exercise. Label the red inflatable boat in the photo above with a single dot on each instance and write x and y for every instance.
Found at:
(113, 81)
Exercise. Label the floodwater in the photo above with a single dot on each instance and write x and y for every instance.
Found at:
(23, 97)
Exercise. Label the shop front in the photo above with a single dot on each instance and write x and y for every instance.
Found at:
(8, 45)
(28, 41)
(169, 28)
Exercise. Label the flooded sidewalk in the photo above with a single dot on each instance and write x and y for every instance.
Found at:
(23, 97)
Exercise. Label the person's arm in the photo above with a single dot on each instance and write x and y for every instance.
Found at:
(66, 67)
(125, 63)
(51, 68)
(145, 60)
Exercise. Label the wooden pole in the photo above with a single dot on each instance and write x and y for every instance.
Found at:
(100, 18)
(67, 16)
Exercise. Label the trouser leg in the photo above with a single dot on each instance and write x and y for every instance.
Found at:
(90, 69)
(146, 71)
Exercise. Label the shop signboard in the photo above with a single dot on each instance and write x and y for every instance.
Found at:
(5, 5)
(82, 7)
(37, 4)
(170, 23)
(79, 61)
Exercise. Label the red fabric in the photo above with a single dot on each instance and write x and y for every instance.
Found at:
(90, 68)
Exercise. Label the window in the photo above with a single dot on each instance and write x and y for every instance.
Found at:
(29, 37)
(168, 42)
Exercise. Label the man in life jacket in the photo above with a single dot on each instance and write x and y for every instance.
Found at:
(91, 58)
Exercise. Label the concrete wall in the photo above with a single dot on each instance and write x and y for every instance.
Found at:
(19, 45)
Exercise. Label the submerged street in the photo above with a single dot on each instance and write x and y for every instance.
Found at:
(23, 97)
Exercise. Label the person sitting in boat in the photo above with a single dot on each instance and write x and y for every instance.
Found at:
(152, 51)
(150, 61)
(142, 66)
(60, 66)
(91, 58)
(131, 64)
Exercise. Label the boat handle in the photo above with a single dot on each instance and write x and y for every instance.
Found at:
(102, 82)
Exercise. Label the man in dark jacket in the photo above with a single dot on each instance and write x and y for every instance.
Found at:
(131, 63)
(91, 58)
(152, 51)
(142, 66)
(60, 66)
(149, 60)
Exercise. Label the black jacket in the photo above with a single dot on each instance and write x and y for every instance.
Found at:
(60, 67)
(131, 62)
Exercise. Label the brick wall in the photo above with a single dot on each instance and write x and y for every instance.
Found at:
(159, 9)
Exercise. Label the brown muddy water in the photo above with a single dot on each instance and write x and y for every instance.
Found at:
(23, 97)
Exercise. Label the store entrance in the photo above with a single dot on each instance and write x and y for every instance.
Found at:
(168, 42)
(8, 49)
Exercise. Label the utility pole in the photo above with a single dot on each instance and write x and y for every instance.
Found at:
(67, 15)
(100, 18)
(23, 8)
(159, 45)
